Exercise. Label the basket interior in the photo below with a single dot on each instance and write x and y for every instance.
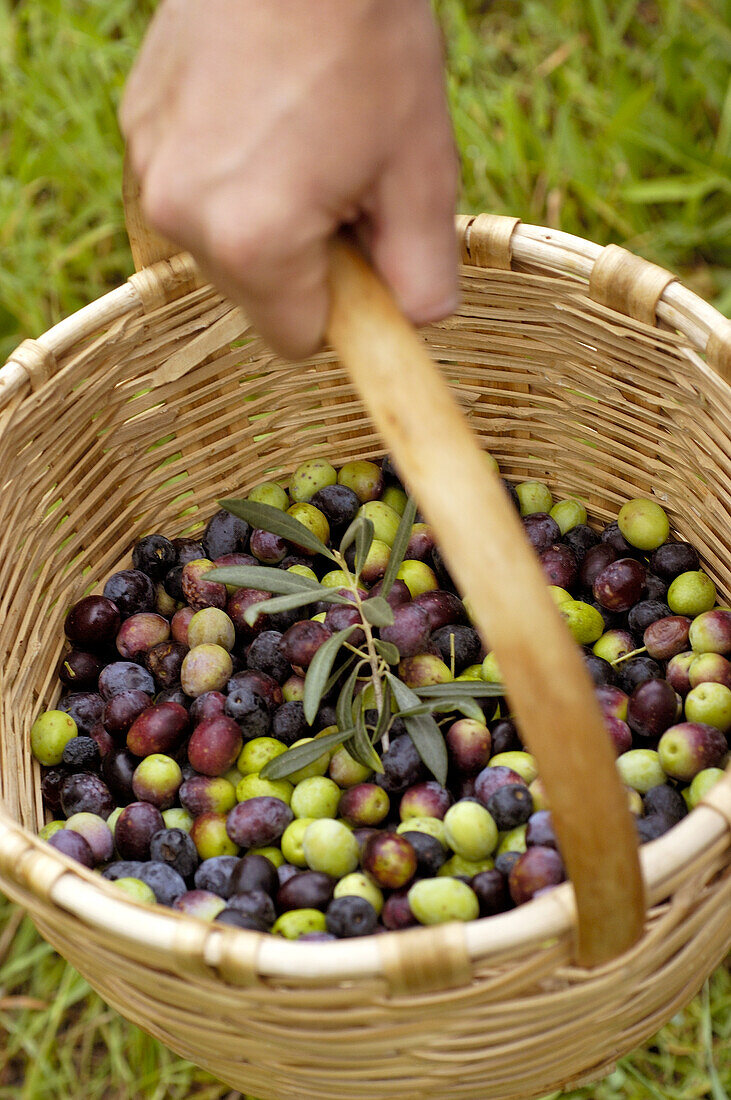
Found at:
(557, 388)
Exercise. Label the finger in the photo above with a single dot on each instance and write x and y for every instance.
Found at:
(143, 114)
(284, 293)
(413, 239)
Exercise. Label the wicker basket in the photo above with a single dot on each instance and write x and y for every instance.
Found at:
(578, 365)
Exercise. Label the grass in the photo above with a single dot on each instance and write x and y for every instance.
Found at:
(59, 1039)
(610, 120)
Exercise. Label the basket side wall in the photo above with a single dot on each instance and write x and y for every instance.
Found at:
(142, 429)
(111, 448)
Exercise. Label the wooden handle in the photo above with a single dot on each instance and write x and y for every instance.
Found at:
(485, 547)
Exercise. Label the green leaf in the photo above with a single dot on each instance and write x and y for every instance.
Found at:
(265, 578)
(403, 534)
(388, 651)
(469, 708)
(344, 705)
(338, 672)
(278, 522)
(319, 671)
(353, 752)
(290, 602)
(302, 755)
(404, 696)
(423, 730)
(461, 689)
(363, 745)
(360, 532)
(441, 705)
(415, 711)
(377, 611)
(429, 744)
(385, 715)
(363, 543)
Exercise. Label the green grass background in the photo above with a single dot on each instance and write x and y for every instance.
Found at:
(611, 120)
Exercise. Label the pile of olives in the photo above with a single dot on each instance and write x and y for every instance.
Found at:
(174, 701)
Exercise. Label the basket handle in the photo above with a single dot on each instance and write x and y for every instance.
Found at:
(549, 688)
(147, 247)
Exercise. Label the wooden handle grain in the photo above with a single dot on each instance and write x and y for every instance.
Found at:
(485, 548)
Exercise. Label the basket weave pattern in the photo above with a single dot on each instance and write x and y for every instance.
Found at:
(135, 416)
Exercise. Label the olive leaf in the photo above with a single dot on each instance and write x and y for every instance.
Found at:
(362, 743)
(429, 743)
(363, 543)
(264, 578)
(396, 557)
(461, 689)
(385, 714)
(387, 650)
(377, 611)
(468, 707)
(301, 755)
(423, 730)
(290, 602)
(319, 671)
(344, 705)
(278, 522)
(361, 533)
(338, 672)
(415, 711)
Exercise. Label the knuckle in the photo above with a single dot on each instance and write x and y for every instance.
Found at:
(242, 244)
(237, 249)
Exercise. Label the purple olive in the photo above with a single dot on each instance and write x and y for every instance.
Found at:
(80, 670)
(559, 565)
(84, 792)
(132, 591)
(215, 745)
(258, 822)
(165, 661)
(596, 560)
(239, 603)
(442, 607)
(427, 799)
(93, 622)
(390, 859)
(135, 828)
(652, 708)
(620, 584)
(159, 728)
(535, 869)
(665, 638)
(73, 845)
(409, 631)
(541, 531)
(302, 641)
(122, 676)
(85, 707)
(491, 779)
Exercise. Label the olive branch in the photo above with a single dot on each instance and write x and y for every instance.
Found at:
(339, 661)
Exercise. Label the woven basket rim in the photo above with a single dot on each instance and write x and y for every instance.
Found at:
(40, 868)
(551, 251)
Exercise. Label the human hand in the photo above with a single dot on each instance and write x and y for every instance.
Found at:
(258, 129)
